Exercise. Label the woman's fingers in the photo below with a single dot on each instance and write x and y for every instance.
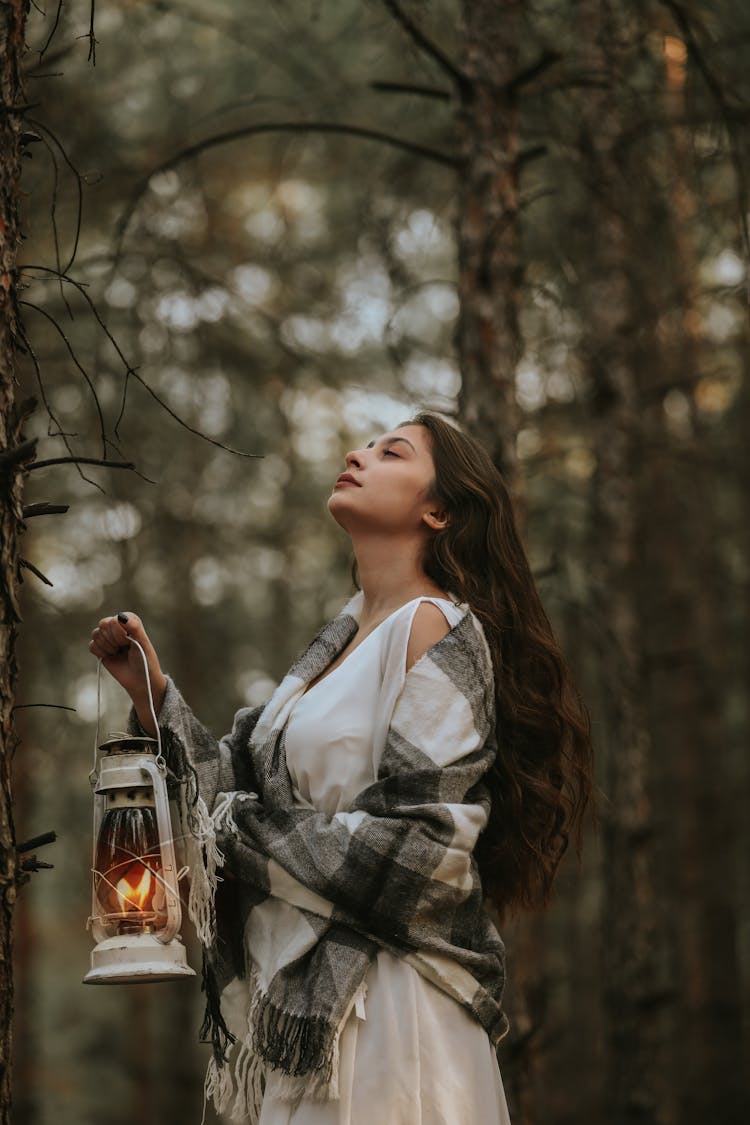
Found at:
(106, 640)
(131, 626)
(102, 648)
(111, 642)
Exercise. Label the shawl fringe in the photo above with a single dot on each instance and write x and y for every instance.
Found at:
(280, 1049)
(295, 1044)
(214, 1028)
(204, 859)
(237, 1091)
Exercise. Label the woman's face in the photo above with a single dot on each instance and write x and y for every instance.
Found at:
(393, 476)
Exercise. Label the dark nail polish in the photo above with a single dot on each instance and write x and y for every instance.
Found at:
(123, 617)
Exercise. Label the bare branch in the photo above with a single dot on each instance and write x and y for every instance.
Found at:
(428, 47)
(533, 152)
(408, 88)
(51, 35)
(424, 151)
(590, 79)
(547, 59)
(81, 461)
(130, 370)
(35, 570)
(92, 38)
(17, 109)
(44, 837)
(24, 409)
(53, 211)
(44, 508)
(81, 368)
(60, 706)
(60, 432)
(17, 453)
(79, 190)
(182, 422)
(31, 863)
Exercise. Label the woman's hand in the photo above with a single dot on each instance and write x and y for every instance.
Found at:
(110, 641)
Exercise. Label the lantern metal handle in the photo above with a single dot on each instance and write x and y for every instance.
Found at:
(161, 761)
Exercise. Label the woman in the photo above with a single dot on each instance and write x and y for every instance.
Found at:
(421, 763)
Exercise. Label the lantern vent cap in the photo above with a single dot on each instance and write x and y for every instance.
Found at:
(129, 743)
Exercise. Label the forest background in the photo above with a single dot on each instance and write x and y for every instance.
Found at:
(547, 241)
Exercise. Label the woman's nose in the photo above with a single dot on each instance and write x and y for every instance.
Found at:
(353, 458)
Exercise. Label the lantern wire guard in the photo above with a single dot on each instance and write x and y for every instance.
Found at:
(136, 913)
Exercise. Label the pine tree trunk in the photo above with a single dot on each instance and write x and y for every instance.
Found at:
(614, 316)
(489, 346)
(12, 23)
(700, 858)
(489, 239)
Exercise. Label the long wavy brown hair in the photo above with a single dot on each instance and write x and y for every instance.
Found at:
(541, 780)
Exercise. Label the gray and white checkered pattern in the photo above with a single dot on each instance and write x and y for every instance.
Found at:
(394, 871)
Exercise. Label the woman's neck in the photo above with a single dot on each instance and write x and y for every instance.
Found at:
(389, 578)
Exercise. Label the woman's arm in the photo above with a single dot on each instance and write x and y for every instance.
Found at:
(220, 764)
(121, 643)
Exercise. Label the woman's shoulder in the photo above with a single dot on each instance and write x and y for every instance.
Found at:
(448, 691)
(429, 624)
(435, 631)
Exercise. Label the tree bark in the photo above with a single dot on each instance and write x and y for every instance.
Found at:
(12, 24)
(686, 602)
(489, 346)
(488, 333)
(614, 317)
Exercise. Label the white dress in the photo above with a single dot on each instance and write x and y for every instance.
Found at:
(409, 1053)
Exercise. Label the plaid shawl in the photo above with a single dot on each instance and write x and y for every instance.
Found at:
(395, 871)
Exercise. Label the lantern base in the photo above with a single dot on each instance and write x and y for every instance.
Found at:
(137, 958)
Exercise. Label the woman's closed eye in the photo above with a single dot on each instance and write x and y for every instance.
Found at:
(387, 451)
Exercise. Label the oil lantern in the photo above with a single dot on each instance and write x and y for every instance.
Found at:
(135, 916)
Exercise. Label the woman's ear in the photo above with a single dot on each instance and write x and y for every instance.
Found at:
(438, 520)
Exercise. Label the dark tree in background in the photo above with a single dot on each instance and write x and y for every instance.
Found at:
(13, 452)
(490, 263)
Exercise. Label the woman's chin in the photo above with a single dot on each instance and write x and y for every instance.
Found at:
(335, 508)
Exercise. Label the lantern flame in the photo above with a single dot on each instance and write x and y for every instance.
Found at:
(134, 897)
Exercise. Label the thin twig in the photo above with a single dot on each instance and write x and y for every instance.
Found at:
(533, 152)
(198, 433)
(17, 453)
(446, 159)
(53, 211)
(35, 570)
(60, 432)
(92, 37)
(529, 73)
(81, 368)
(43, 508)
(59, 706)
(79, 190)
(130, 370)
(428, 47)
(81, 461)
(44, 837)
(52, 32)
(17, 109)
(410, 88)
(31, 863)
